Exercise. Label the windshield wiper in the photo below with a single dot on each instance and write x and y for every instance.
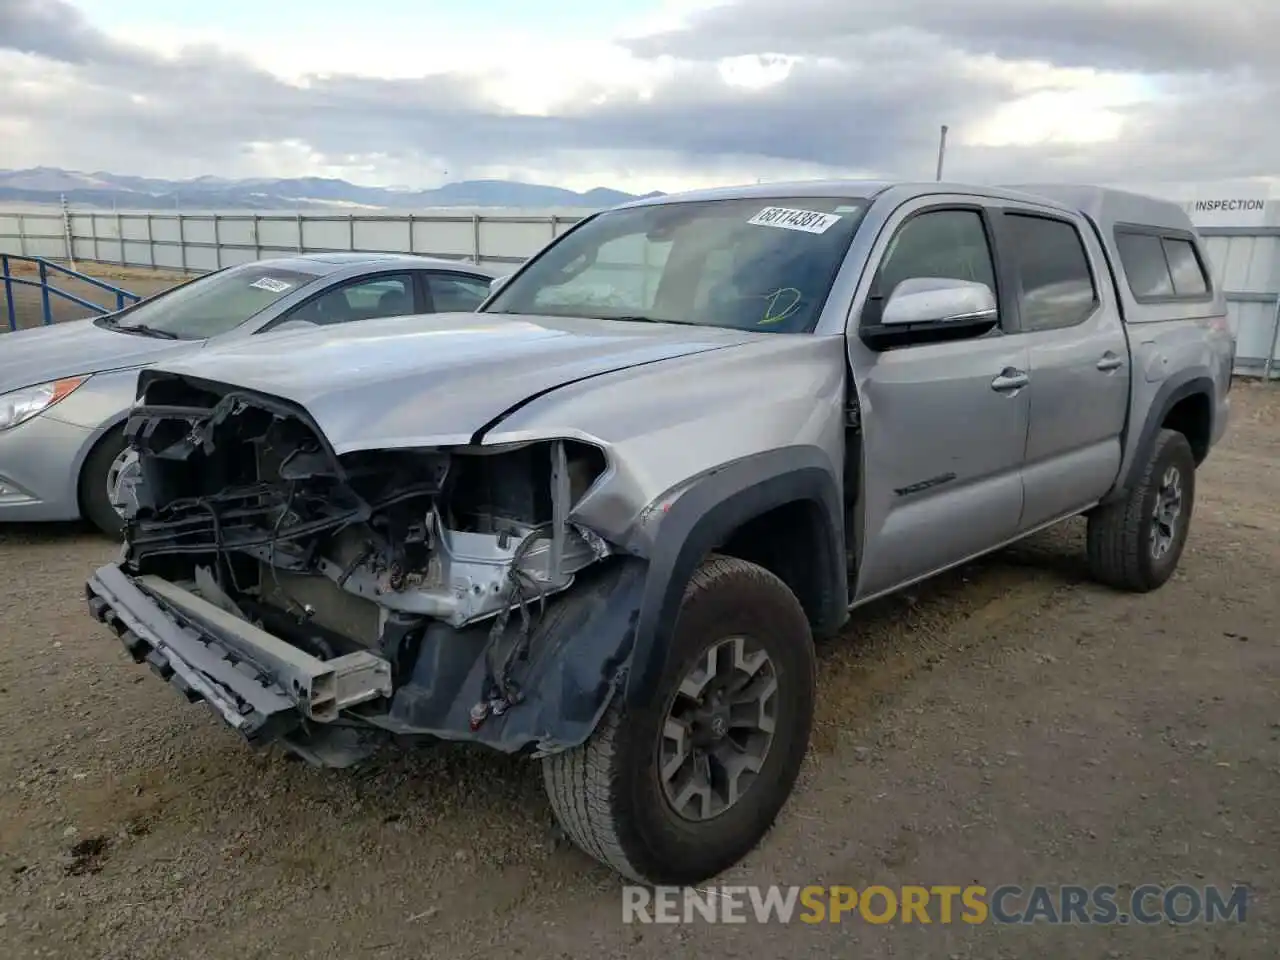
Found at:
(625, 318)
(641, 318)
(146, 331)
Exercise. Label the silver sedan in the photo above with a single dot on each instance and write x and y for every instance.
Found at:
(66, 390)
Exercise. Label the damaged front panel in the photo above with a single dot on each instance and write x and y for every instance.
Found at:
(402, 589)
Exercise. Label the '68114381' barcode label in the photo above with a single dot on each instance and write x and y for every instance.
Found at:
(271, 284)
(808, 221)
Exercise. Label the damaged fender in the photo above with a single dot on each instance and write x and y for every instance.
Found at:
(398, 566)
(705, 514)
(321, 600)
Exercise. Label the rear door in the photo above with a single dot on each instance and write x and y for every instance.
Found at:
(943, 424)
(1066, 314)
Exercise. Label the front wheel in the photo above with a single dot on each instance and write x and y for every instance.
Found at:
(683, 788)
(109, 469)
(1135, 544)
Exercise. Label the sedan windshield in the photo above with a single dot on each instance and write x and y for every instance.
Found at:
(210, 305)
(760, 264)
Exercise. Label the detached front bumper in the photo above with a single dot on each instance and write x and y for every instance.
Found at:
(577, 655)
(257, 683)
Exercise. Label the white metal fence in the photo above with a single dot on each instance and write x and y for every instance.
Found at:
(200, 241)
(1246, 259)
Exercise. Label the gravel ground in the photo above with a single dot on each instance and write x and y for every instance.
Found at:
(1007, 723)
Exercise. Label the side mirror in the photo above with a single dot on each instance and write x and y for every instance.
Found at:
(935, 300)
(497, 284)
(932, 309)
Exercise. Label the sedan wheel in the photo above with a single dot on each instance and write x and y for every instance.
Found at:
(122, 479)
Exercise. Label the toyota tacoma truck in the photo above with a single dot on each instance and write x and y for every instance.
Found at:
(601, 521)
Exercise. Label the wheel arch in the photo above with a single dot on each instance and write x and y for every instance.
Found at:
(735, 510)
(1188, 400)
(87, 450)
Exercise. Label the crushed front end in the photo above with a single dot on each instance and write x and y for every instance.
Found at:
(324, 602)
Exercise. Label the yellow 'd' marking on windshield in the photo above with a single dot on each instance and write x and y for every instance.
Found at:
(772, 312)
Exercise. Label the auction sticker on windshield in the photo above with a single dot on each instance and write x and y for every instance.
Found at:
(271, 284)
(809, 221)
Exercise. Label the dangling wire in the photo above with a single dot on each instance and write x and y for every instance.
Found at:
(522, 588)
(302, 612)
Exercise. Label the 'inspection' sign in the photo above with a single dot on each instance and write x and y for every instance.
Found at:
(1242, 206)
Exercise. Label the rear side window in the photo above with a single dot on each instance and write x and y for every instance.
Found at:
(1142, 255)
(455, 293)
(1188, 276)
(1161, 267)
(1056, 283)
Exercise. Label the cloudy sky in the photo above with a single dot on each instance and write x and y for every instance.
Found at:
(642, 94)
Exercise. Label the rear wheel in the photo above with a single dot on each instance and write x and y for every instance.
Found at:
(1135, 544)
(683, 788)
(99, 477)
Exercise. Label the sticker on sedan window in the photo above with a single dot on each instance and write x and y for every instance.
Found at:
(271, 284)
(808, 221)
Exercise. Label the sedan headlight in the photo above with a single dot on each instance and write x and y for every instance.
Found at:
(18, 406)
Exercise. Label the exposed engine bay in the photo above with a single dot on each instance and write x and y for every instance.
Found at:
(241, 501)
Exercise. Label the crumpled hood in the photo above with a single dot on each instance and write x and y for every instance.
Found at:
(436, 379)
(68, 349)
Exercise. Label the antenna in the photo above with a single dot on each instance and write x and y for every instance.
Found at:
(942, 150)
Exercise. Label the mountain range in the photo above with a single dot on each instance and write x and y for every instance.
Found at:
(110, 190)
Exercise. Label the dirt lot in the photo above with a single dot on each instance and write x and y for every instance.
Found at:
(1008, 723)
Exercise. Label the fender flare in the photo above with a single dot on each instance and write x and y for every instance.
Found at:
(704, 515)
(1173, 390)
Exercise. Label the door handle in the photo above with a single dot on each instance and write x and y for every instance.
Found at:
(1010, 379)
(1109, 362)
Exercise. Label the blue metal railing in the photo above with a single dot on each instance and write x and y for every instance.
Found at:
(43, 267)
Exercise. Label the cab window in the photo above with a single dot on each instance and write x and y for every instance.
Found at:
(381, 296)
(935, 244)
(456, 293)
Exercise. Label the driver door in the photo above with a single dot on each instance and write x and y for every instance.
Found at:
(942, 432)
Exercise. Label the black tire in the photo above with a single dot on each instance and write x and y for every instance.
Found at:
(608, 793)
(1122, 535)
(94, 503)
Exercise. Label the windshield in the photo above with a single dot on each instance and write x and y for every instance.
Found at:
(210, 305)
(760, 264)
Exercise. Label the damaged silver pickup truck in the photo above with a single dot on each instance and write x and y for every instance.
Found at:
(601, 521)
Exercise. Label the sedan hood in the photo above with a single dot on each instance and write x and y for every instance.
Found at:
(80, 346)
(437, 379)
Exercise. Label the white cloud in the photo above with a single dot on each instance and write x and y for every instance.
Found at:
(694, 92)
(1057, 105)
(755, 71)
